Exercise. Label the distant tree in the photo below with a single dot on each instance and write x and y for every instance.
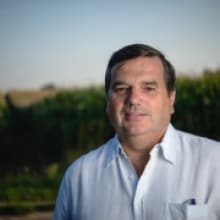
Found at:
(48, 86)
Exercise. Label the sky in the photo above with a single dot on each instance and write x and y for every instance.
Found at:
(69, 42)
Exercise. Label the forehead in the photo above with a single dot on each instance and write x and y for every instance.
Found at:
(141, 66)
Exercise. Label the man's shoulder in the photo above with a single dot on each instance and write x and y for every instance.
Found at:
(199, 143)
(94, 158)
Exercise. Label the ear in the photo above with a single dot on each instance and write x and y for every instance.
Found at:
(107, 102)
(107, 107)
(172, 101)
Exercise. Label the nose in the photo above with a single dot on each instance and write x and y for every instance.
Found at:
(133, 96)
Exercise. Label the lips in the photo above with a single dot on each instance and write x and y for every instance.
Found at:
(134, 116)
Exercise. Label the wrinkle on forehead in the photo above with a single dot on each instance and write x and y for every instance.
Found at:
(138, 64)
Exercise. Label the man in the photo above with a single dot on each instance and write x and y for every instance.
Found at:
(149, 170)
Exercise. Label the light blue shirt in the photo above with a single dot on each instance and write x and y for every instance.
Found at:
(181, 181)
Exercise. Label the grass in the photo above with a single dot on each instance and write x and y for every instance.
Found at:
(25, 207)
(27, 98)
(27, 187)
(26, 193)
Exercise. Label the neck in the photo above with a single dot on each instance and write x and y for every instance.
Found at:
(138, 159)
(138, 149)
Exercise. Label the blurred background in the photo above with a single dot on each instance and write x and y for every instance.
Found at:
(53, 56)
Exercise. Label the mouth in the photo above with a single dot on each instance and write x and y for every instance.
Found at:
(134, 116)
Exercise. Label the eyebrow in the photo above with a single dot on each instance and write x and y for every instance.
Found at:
(150, 83)
(144, 83)
(118, 83)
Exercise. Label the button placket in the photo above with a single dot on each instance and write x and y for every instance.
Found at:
(143, 185)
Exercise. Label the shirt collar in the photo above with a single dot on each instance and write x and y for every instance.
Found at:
(169, 146)
(114, 149)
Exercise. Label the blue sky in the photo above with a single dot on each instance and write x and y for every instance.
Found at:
(68, 42)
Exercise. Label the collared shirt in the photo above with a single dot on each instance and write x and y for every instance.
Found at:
(180, 181)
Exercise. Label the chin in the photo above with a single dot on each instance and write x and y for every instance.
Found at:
(135, 132)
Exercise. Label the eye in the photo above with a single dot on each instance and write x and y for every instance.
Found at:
(150, 89)
(120, 90)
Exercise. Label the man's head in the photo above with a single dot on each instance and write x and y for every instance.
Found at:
(140, 88)
(140, 50)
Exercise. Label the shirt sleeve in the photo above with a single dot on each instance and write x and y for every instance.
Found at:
(61, 211)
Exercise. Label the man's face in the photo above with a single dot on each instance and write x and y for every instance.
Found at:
(138, 101)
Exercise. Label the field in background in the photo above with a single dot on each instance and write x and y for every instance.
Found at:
(42, 132)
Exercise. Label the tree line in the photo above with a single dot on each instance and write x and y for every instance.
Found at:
(60, 128)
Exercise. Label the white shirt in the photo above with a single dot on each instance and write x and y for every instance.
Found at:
(180, 181)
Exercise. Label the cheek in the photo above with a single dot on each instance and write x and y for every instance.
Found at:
(114, 103)
(114, 109)
(159, 108)
(167, 108)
